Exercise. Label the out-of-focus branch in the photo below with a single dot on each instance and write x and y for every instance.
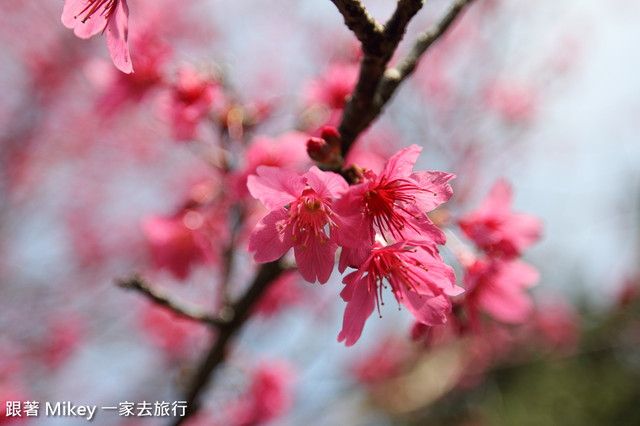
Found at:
(190, 312)
(239, 312)
(394, 76)
(377, 83)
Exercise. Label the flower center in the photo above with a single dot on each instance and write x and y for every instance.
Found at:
(385, 203)
(399, 268)
(93, 6)
(309, 215)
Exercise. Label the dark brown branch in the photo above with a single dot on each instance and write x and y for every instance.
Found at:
(191, 312)
(377, 83)
(365, 104)
(239, 313)
(358, 20)
(397, 24)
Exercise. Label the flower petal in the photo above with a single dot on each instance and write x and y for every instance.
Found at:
(316, 260)
(436, 190)
(268, 240)
(275, 187)
(401, 164)
(359, 307)
(117, 32)
(72, 16)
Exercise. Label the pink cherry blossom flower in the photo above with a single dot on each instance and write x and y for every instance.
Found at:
(287, 150)
(191, 100)
(269, 395)
(178, 242)
(496, 229)
(394, 203)
(282, 293)
(333, 88)
(418, 277)
(304, 224)
(515, 103)
(175, 335)
(383, 363)
(498, 288)
(89, 17)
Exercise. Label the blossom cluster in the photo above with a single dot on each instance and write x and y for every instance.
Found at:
(379, 223)
(496, 279)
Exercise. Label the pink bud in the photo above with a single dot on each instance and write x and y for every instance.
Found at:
(319, 150)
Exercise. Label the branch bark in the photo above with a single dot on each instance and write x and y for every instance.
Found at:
(377, 83)
(239, 313)
(358, 20)
(190, 312)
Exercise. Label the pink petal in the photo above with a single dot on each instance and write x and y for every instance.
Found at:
(511, 306)
(401, 164)
(428, 309)
(316, 260)
(352, 231)
(116, 35)
(359, 307)
(354, 257)
(267, 240)
(524, 230)
(326, 184)
(275, 187)
(498, 201)
(519, 274)
(72, 18)
(436, 183)
(426, 230)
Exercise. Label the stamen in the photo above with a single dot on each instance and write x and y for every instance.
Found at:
(107, 6)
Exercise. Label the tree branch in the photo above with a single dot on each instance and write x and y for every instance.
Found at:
(239, 313)
(377, 83)
(395, 76)
(358, 20)
(191, 312)
(365, 104)
(397, 25)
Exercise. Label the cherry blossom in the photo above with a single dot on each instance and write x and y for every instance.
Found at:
(178, 242)
(191, 100)
(268, 397)
(496, 229)
(417, 276)
(89, 17)
(301, 215)
(498, 288)
(394, 203)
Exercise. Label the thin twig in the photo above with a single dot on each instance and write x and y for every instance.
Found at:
(395, 76)
(191, 312)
